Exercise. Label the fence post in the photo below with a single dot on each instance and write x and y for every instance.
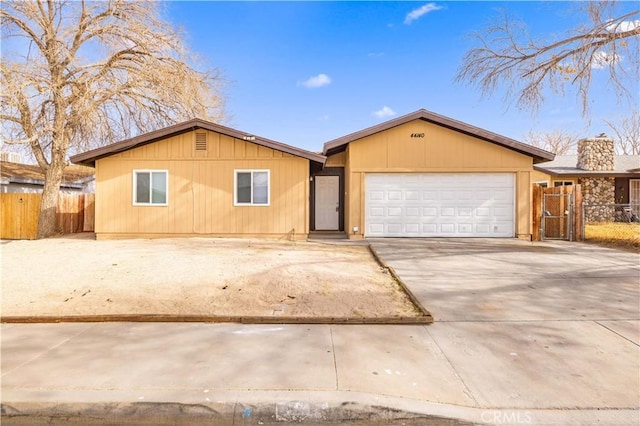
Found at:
(536, 206)
(579, 213)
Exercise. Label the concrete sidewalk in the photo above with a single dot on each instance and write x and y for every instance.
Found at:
(516, 353)
(292, 372)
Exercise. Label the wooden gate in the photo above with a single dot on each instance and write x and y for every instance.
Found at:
(74, 213)
(19, 216)
(557, 213)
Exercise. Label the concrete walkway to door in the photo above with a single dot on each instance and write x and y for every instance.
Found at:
(523, 324)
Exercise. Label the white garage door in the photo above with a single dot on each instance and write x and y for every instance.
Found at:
(439, 205)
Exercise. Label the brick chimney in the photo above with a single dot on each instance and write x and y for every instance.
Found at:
(596, 154)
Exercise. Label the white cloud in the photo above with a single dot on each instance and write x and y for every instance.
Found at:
(624, 26)
(418, 13)
(316, 81)
(602, 59)
(384, 112)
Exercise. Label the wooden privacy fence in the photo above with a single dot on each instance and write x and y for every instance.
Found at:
(74, 213)
(557, 213)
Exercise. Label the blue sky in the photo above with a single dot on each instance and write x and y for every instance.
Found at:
(304, 73)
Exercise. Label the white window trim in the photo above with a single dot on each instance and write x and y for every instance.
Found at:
(235, 188)
(543, 181)
(564, 182)
(135, 184)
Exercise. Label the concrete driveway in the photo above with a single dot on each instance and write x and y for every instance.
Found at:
(552, 324)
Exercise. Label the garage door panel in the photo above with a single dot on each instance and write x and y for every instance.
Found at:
(429, 195)
(412, 195)
(413, 211)
(376, 195)
(412, 228)
(440, 204)
(483, 228)
(502, 195)
(447, 228)
(429, 212)
(394, 228)
(429, 228)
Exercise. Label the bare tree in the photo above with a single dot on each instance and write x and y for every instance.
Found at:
(556, 141)
(527, 68)
(627, 132)
(78, 73)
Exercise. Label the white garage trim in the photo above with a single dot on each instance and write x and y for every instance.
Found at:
(440, 205)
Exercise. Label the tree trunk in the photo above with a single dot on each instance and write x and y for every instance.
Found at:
(49, 204)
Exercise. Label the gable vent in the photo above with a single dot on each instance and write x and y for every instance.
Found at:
(201, 141)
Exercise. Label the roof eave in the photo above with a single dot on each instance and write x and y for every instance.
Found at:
(587, 173)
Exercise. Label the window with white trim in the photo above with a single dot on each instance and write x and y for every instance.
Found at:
(557, 183)
(150, 187)
(251, 188)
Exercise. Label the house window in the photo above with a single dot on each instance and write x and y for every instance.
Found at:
(562, 183)
(251, 188)
(543, 184)
(150, 187)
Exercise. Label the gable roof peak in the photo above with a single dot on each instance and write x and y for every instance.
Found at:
(90, 157)
(339, 144)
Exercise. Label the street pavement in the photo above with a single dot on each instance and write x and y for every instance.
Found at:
(525, 333)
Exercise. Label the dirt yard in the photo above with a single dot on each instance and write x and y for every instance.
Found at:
(76, 275)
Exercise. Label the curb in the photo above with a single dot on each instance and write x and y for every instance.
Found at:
(167, 413)
(282, 407)
(418, 320)
(425, 313)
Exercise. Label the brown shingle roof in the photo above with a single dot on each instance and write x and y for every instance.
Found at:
(539, 155)
(90, 157)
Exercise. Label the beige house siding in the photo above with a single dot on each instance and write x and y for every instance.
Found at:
(538, 176)
(440, 150)
(201, 190)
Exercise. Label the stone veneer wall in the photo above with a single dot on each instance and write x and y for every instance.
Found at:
(597, 191)
(596, 154)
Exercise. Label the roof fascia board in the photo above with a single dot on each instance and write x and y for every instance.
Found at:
(586, 173)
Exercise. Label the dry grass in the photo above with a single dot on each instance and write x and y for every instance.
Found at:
(615, 234)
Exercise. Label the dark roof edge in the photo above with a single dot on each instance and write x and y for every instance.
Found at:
(89, 157)
(538, 154)
(40, 182)
(587, 173)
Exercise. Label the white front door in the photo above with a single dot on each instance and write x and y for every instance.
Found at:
(327, 203)
(439, 205)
